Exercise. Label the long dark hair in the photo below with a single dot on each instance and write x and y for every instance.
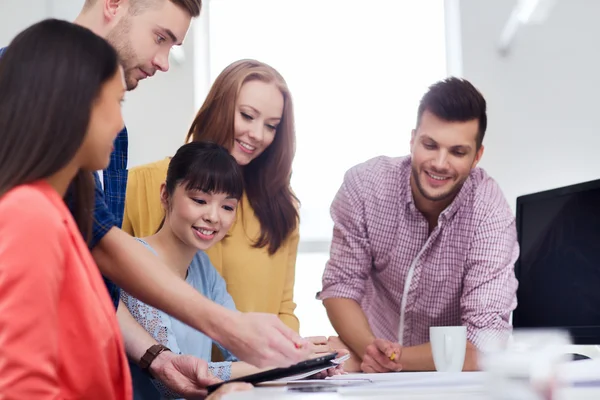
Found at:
(204, 166)
(50, 76)
(267, 178)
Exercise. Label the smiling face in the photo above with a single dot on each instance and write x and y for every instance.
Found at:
(197, 218)
(144, 40)
(443, 155)
(258, 111)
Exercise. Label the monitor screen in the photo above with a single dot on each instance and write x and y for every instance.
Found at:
(559, 265)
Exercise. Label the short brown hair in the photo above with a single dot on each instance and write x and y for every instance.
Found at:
(193, 7)
(454, 99)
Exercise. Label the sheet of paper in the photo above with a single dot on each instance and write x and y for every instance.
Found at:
(468, 382)
(318, 382)
(462, 393)
(388, 376)
(415, 376)
(341, 359)
(302, 376)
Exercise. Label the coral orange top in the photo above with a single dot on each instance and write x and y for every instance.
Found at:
(59, 336)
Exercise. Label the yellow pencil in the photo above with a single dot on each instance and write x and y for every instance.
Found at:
(393, 356)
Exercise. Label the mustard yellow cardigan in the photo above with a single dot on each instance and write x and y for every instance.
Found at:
(257, 281)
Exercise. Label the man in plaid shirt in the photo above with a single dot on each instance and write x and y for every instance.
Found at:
(423, 240)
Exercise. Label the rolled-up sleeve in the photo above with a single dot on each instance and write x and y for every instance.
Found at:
(350, 259)
(490, 285)
(104, 220)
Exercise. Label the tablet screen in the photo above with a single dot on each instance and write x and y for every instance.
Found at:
(278, 373)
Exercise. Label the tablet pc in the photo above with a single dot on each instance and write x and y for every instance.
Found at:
(278, 373)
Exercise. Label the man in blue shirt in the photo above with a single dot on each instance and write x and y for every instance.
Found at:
(143, 32)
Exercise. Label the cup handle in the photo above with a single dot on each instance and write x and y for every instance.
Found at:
(448, 348)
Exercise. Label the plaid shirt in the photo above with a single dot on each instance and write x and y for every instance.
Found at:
(115, 178)
(110, 202)
(383, 257)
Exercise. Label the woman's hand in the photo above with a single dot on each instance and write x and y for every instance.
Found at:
(319, 346)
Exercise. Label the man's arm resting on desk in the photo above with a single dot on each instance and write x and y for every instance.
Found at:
(414, 358)
(260, 339)
(368, 354)
(420, 358)
(349, 320)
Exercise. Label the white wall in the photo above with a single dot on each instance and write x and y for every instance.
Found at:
(14, 17)
(157, 114)
(542, 97)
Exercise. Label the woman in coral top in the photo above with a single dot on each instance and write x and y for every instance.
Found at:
(257, 258)
(60, 110)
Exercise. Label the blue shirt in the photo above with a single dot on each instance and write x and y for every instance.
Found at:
(177, 336)
(115, 178)
(110, 201)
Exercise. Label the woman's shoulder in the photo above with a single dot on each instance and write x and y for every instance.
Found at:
(203, 269)
(202, 274)
(201, 262)
(38, 202)
(147, 177)
(156, 167)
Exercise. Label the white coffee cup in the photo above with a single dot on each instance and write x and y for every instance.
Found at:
(448, 345)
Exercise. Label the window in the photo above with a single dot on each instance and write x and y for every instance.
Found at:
(356, 71)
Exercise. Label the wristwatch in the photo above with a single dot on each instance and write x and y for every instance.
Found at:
(150, 355)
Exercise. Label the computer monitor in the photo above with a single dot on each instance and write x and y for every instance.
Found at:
(559, 265)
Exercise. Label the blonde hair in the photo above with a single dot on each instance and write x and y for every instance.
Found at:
(267, 178)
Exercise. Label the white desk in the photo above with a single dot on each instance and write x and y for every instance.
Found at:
(470, 387)
(279, 393)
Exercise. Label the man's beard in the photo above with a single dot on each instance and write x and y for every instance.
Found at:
(118, 37)
(440, 197)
